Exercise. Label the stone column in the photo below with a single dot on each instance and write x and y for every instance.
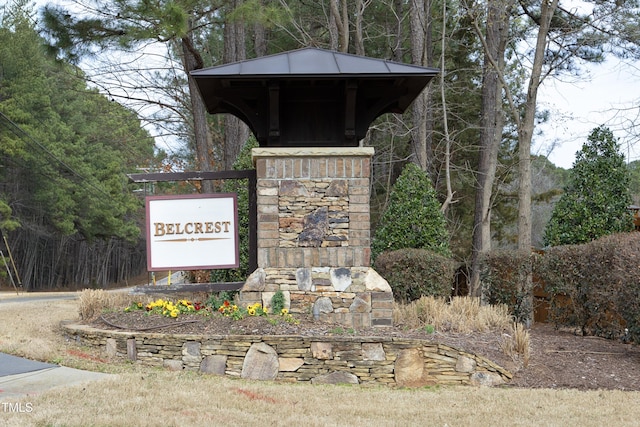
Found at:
(314, 235)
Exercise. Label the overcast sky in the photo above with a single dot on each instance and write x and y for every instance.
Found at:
(609, 94)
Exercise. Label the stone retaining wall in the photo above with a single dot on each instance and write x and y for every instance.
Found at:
(327, 359)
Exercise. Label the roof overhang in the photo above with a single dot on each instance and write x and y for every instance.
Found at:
(311, 96)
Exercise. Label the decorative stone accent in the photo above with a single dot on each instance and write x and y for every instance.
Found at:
(322, 305)
(340, 279)
(337, 377)
(255, 281)
(373, 351)
(172, 365)
(191, 355)
(290, 364)
(111, 348)
(486, 379)
(132, 351)
(314, 234)
(465, 364)
(315, 227)
(375, 282)
(214, 364)
(322, 350)
(359, 305)
(303, 279)
(373, 360)
(260, 363)
(409, 368)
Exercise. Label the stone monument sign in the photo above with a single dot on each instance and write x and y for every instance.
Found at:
(309, 109)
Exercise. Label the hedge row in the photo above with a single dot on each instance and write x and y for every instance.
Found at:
(594, 286)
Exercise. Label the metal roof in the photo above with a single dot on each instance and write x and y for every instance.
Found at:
(311, 96)
(314, 62)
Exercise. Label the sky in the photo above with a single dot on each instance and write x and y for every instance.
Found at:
(606, 94)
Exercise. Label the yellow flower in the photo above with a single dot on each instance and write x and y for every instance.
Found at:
(284, 312)
(251, 311)
(174, 313)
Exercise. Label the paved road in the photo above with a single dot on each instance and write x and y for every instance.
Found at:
(28, 297)
(21, 377)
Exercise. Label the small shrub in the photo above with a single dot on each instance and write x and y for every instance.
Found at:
(93, 302)
(414, 273)
(277, 302)
(517, 343)
(412, 218)
(217, 299)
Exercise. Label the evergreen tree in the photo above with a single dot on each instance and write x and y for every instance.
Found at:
(595, 202)
(413, 218)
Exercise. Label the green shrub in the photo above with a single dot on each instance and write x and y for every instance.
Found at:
(502, 273)
(595, 201)
(412, 218)
(414, 273)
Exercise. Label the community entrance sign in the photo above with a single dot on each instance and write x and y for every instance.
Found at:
(309, 109)
(192, 232)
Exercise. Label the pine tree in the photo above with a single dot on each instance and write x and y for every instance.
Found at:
(595, 202)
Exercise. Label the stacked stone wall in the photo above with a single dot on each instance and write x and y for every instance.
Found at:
(329, 359)
(314, 236)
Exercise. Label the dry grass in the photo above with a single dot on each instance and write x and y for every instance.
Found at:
(516, 343)
(466, 315)
(95, 301)
(147, 397)
(188, 399)
(461, 314)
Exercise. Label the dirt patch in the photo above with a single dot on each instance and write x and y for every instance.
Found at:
(558, 359)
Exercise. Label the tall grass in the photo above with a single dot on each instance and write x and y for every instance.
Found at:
(516, 343)
(461, 314)
(93, 302)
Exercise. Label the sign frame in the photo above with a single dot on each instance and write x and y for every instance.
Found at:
(181, 216)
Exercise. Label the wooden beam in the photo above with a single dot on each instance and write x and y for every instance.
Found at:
(188, 287)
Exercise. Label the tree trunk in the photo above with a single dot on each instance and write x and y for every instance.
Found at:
(492, 121)
(359, 38)
(203, 145)
(236, 131)
(340, 21)
(260, 37)
(525, 134)
(418, 25)
(445, 116)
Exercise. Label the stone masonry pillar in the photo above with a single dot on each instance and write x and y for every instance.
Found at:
(314, 236)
